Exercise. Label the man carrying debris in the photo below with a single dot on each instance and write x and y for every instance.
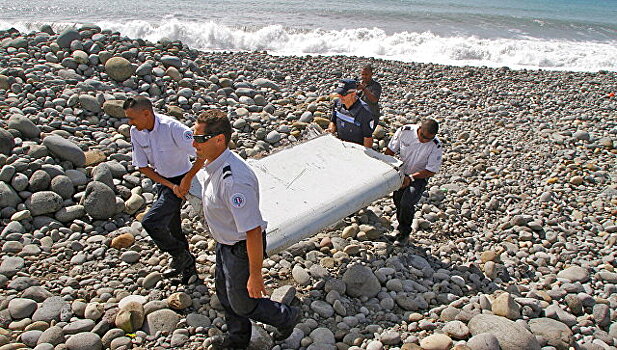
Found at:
(421, 153)
(352, 120)
(161, 150)
(369, 91)
(231, 209)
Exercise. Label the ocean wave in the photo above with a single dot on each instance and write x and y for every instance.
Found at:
(425, 47)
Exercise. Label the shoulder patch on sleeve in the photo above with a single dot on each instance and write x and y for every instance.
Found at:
(226, 171)
(188, 135)
(407, 127)
(237, 200)
(437, 143)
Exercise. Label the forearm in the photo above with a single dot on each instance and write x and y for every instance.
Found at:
(389, 152)
(370, 96)
(197, 164)
(255, 250)
(150, 173)
(332, 127)
(422, 174)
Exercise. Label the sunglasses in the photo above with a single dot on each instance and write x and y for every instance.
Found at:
(204, 138)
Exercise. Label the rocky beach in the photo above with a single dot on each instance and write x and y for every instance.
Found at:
(514, 242)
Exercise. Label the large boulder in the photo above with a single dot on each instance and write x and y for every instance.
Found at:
(7, 142)
(119, 68)
(99, 201)
(65, 150)
(131, 317)
(44, 202)
(66, 38)
(171, 61)
(511, 335)
(102, 173)
(8, 196)
(63, 186)
(70, 213)
(114, 108)
(84, 341)
(504, 305)
(265, 83)
(574, 274)
(25, 126)
(90, 103)
(50, 309)
(5, 82)
(556, 333)
(360, 281)
(164, 320)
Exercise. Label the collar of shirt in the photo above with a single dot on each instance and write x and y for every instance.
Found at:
(414, 132)
(156, 122)
(354, 106)
(212, 166)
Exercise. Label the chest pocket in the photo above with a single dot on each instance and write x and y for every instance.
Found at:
(405, 145)
(166, 145)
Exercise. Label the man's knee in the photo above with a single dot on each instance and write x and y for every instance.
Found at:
(151, 222)
(241, 303)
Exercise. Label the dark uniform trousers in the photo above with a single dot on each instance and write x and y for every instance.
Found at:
(162, 222)
(405, 201)
(232, 274)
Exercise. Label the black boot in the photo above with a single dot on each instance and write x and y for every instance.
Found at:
(226, 343)
(188, 273)
(285, 331)
(179, 262)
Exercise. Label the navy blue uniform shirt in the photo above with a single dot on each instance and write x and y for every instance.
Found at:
(355, 123)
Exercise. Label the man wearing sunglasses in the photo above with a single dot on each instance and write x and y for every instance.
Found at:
(421, 153)
(161, 150)
(352, 119)
(231, 210)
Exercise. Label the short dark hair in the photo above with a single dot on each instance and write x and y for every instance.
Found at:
(430, 125)
(216, 122)
(368, 67)
(137, 102)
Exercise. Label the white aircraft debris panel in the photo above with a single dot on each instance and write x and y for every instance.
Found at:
(315, 184)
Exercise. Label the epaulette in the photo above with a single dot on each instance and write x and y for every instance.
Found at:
(437, 143)
(407, 127)
(226, 171)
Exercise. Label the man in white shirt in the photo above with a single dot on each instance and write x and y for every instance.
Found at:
(231, 209)
(161, 150)
(421, 152)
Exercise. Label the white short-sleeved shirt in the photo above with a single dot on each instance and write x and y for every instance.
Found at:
(415, 155)
(231, 199)
(166, 147)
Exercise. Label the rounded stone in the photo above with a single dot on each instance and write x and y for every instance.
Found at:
(97, 200)
(44, 202)
(39, 181)
(436, 342)
(119, 68)
(7, 142)
(25, 126)
(67, 37)
(84, 341)
(65, 150)
(63, 186)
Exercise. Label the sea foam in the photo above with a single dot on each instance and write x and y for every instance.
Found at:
(425, 47)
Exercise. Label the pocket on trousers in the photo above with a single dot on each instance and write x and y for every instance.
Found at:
(239, 251)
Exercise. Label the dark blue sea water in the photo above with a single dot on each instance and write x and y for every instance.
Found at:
(549, 34)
